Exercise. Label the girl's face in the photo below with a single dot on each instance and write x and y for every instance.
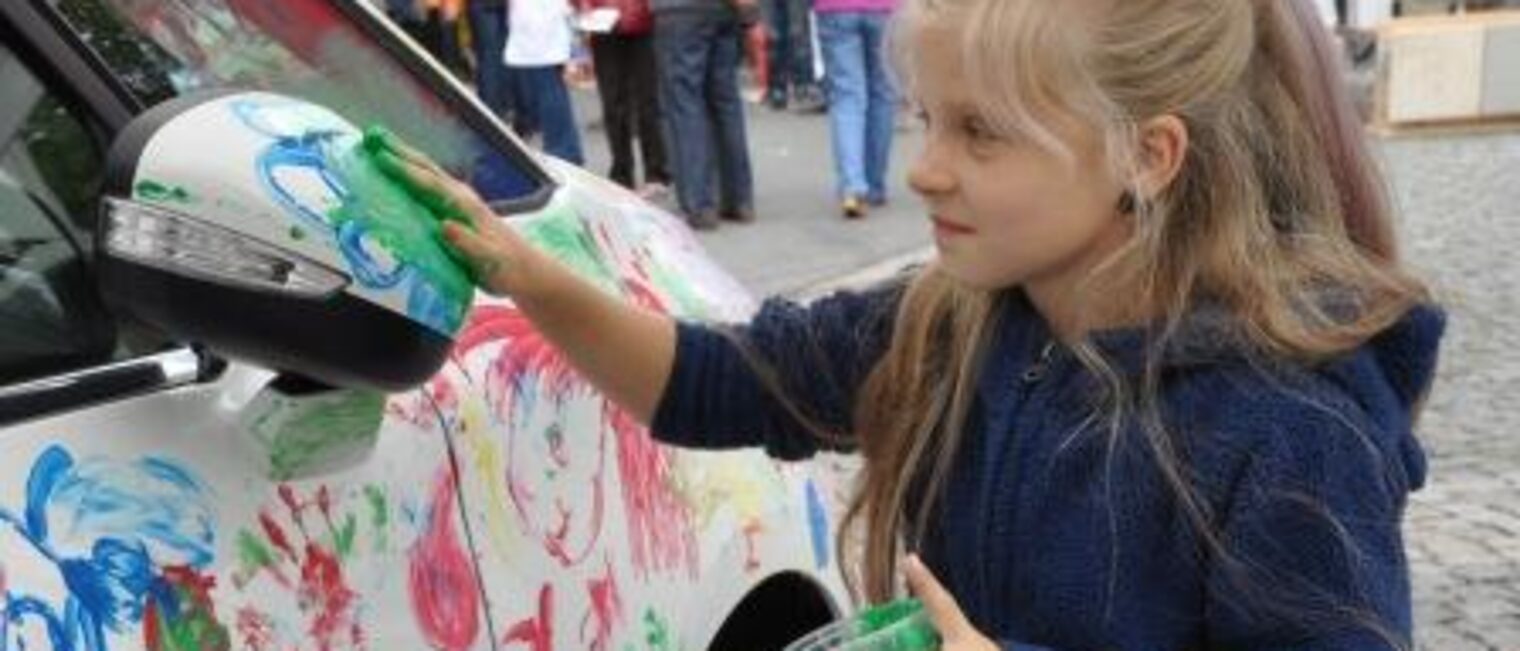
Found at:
(1004, 211)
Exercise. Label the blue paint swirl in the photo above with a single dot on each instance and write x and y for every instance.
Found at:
(818, 519)
(108, 528)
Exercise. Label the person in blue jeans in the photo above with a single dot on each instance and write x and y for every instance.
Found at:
(697, 45)
(862, 98)
(538, 47)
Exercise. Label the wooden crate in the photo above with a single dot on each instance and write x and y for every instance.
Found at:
(1457, 70)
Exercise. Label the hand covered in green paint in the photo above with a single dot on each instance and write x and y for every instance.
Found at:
(498, 259)
(955, 631)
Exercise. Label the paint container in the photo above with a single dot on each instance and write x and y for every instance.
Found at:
(902, 625)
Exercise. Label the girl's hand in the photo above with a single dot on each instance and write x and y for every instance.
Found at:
(957, 633)
(499, 260)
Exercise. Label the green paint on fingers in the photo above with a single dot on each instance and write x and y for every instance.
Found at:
(388, 212)
(385, 149)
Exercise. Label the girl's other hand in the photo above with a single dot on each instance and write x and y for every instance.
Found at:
(955, 631)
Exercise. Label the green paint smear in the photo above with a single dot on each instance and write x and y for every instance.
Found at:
(343, 421)
(562, 234)
(390, 213)
(657, 632)
(156, 191)
(252, 552)
(379, 514)
(343, 538)
(690, 304)
(195, 630)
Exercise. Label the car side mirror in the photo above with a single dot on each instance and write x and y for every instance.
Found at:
(260, 226)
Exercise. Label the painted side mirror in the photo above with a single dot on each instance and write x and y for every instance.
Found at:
(259, 226)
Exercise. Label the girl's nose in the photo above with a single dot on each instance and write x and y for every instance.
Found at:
(929, 175)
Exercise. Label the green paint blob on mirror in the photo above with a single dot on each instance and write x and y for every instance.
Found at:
(161, 192)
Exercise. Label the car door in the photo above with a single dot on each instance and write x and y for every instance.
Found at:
(148, 514)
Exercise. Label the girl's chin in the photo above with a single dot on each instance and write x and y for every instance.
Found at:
(970, 275)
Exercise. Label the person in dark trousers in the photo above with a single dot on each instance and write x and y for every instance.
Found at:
(697, 42)
(493, 81)
(627, 81)
(792, 82)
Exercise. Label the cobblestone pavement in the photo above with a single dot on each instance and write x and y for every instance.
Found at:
(1460, 203)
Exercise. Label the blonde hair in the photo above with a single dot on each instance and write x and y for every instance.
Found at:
(1277, 216)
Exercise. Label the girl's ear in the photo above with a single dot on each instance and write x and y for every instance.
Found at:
(1163, 148)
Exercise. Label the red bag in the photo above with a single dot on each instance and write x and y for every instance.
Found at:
(634, 16)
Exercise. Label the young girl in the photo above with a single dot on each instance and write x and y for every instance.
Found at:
(1157, 390)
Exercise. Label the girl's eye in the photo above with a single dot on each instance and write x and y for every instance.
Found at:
(979, 131)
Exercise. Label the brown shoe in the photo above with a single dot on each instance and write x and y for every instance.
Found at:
(853, 207)
(702, 221)
(739, 215)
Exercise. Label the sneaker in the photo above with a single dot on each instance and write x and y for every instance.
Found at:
(876, 200)
(654, 192)
(702, 221)
(739, 215)
(853, 207)
(776, 99)
(809, 99)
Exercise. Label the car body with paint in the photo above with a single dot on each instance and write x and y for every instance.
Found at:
(157, 494)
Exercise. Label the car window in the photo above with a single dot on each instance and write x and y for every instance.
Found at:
(51, 318)
(310, 49)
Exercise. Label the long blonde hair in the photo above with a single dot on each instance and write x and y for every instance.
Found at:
(1278, 216)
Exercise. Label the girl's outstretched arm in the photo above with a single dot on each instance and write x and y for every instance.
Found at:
(623, 350)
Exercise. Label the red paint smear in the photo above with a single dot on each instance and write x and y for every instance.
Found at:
(606, 609)
(536, 632)
(152, 638)
(660, 532)
(636, 282)
(256, 630)
(325, 591)
(752, 529)
(445, 596)
(288, 496)
(277, 536)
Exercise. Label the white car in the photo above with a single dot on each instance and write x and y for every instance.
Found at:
(235, 412)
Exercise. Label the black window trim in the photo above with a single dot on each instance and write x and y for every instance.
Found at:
(411, 57)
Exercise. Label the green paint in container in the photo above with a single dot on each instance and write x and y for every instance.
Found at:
(902, 625)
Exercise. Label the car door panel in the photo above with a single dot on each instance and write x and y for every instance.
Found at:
(153, 523)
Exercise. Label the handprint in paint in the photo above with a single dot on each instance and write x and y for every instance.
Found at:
(307, 561)
(130, 544)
